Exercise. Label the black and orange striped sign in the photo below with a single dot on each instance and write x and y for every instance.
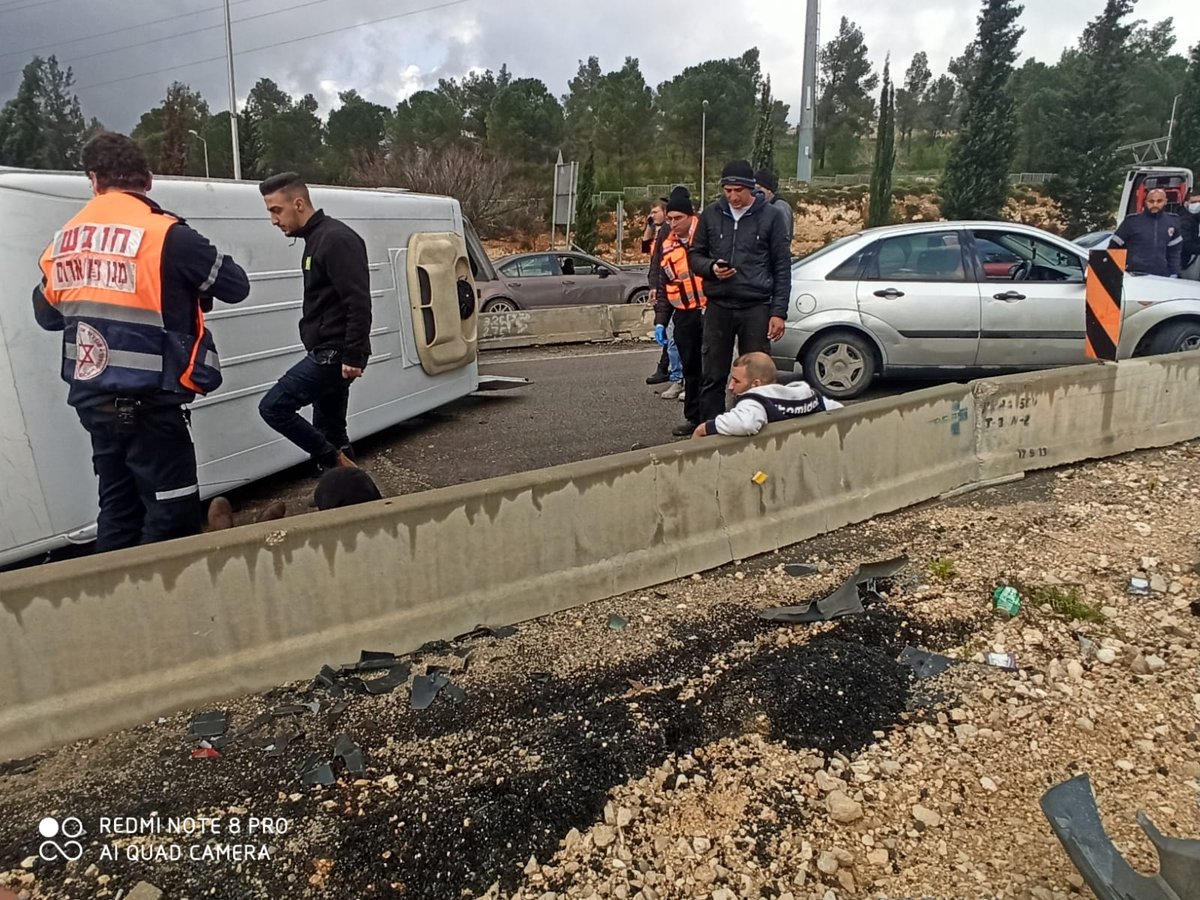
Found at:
(1105, 278)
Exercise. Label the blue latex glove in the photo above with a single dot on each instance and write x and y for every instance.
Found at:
(660, 335)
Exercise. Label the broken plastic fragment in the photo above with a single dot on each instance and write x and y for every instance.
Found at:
(844, 601)
(335, 712)
(313, 771)
(1139, 585)
(455, 693)
(1002, 661)
(350, 753)
(277, 745)
(425, 688)
(1071, 810)
(327, 676)
(208, 724)
(395, 677)
(368, 660)
(759, 477)
(617, 623)
(925, 664)
(206, 753)
(798, 570)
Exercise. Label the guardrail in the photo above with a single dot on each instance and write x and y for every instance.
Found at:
(94, 644)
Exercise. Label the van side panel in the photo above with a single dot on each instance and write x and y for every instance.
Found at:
(258, 339)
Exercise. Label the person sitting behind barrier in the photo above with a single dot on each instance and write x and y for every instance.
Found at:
(345, 487)
(760, 399)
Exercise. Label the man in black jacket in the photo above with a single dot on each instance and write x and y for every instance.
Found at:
(335, 325)
(741, 250)
(1153, 238)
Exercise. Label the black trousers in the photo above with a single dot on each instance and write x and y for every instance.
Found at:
(723, 325)
(146, 464)
(689, 338)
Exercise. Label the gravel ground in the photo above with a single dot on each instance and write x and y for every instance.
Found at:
(669, 744)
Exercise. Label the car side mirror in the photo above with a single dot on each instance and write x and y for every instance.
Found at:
(604, 273)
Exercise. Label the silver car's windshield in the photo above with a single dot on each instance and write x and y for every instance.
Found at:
(828, 248)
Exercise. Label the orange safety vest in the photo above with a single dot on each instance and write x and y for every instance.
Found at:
(103, 272)
(684, 289)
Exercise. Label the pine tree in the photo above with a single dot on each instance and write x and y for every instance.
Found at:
(587, 218)
(1185, 143)
(885, 154)
(975, 185)
(1085, 146)
(763, 155)
(42, 127)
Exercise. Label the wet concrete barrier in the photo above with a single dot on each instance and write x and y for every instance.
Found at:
(562, 325)
(104, 642)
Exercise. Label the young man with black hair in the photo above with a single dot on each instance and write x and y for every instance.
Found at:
(128, 284)
(741, 250)
(335, 325)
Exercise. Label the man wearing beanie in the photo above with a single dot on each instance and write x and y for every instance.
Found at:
(768, 183)
(742, 251)
(681, 300)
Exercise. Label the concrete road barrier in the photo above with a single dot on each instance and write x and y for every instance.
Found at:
(562, 325)
(94, 644)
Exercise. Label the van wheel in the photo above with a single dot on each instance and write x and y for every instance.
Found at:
(839, 364)
(1176, 338)
(639, 297)
(500, 304)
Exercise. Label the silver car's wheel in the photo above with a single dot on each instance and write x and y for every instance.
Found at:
(840, 364)
(500, 304)
(1176, 337)
(640, 296)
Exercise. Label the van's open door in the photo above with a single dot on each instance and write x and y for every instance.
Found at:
(444, 301)
(1177, 183)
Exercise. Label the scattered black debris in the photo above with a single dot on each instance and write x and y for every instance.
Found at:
(799, 570)
(540, 678)
(484, 631)
(259, 722)
(350, 753)
(1194, 606)
(454, 692)
(1071, 809)
(19, 766)
(617, 623)
(314, 771)
(369, 660)
(277, 745)
(209, 724)
(847, 600)
(433, 648)
(925, 664)
(335, 712)
(426, 687)
(396, 676)
(296, 709)
(327, 677)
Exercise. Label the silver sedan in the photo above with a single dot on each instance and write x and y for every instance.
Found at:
(949, 297)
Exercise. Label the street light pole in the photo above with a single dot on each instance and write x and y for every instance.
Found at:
(233, 122)
(196, 134)
(1171, 128)
(703, 135)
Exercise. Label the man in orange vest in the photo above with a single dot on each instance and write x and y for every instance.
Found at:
(127, 282)
(682, 301)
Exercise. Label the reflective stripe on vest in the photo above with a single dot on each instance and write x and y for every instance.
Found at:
(103, 272)
(684, 289)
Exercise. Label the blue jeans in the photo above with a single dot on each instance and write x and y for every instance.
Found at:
(675, 373)
(317, 381)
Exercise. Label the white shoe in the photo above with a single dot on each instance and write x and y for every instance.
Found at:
(682, 395)
(673, 391)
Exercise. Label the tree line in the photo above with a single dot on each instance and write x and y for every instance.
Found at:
(488, 137)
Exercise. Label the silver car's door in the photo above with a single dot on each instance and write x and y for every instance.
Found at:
(1033, 312)
(534, 280)
(918, 295)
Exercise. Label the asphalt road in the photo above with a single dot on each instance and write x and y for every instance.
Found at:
(585, 401)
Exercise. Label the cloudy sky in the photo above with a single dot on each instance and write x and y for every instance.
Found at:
(125, 54)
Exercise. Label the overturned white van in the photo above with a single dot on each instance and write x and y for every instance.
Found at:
(423, 339)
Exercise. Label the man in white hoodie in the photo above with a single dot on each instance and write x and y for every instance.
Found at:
(759, 399)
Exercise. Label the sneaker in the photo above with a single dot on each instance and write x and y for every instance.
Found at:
(673, 392)
(684, 430)
(658, 378)
(276, 509)
(682, 396)
(220, 514)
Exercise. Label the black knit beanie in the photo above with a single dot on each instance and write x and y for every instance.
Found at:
(681, 201)
(767, 179)
(738, 171)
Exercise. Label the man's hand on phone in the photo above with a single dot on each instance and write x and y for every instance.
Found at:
(723, 270)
